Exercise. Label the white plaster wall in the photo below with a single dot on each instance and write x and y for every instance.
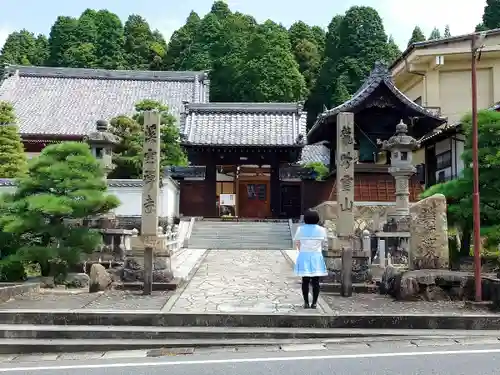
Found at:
(131, 198)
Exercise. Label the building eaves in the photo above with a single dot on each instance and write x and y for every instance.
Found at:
(79, 73)
(244, 124)
(67, 102)
(380, 75)
(437, 42)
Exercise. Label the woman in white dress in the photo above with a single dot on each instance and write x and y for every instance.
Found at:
(310, 264)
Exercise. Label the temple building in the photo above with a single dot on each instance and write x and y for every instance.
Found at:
(253, 154)
(378, 106)
(63, 104)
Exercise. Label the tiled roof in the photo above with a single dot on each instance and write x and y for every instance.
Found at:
(450, 128)
(239, 124)
(318, 152)
(69, 101)
(380, 75)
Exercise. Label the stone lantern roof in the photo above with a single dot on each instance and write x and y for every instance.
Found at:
(102, 136)
(400, 140)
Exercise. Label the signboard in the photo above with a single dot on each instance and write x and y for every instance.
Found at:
(227, 199)
(227, 203)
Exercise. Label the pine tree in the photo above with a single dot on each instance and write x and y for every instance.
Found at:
(64, 183)
(491, 15)
(435, 34)
(447, 33)
(416, 36)
(13, 161)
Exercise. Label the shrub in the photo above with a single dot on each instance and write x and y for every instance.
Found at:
(12, 269)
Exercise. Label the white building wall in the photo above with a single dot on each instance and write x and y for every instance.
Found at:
(131, 197)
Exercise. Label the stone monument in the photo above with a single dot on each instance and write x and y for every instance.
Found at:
(151, 262)
(401, 147)
(345, 197)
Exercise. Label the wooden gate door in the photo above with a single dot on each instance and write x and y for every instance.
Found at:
(253, 199)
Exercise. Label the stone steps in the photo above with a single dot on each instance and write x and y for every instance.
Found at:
(240, 235)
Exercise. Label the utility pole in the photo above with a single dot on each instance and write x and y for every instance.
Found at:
(476, 44)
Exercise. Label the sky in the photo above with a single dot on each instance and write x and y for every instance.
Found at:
(399, 16)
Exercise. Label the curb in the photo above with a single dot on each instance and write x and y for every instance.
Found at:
(350, 320)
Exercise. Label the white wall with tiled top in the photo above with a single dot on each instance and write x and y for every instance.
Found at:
(131, 198)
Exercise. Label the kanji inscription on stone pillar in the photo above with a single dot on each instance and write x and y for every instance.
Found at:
(150, 193)
(345, 196)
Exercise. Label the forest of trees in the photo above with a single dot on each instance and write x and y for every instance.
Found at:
(247, 60)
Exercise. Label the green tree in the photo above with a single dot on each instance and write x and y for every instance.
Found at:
(355, 42)
(458, 192)
(180, 43)
(13, 161)
(491, 15)
(65, 183)
(416, 36)
(324, 87)
(172, 153)
(23, 48)
(138, 43)
(307, 50)
(110, 41)
(127, 155)
(83, 52)
(228, 54)
(435, 34)
(270, 72)
(63, 35)
(447, 32)
(158, 51)
(393, 50)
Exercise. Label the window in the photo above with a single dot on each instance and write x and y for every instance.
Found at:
(441, 177)
(443, 160)
(404, 155)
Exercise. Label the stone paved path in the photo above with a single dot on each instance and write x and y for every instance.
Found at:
(243, 281)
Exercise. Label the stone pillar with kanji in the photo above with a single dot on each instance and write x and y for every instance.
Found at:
(345, 197)
(151, 261)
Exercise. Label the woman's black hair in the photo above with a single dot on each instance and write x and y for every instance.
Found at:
(311, 217)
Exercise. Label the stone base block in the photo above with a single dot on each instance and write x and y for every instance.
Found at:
(134, 269)
(360, 266)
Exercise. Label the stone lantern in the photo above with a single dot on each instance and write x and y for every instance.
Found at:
(102, 143)
(401, 146)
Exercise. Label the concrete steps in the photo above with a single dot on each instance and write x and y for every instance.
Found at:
(240, 235)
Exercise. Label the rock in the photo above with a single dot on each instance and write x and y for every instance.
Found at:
(77, 280)
(429, 233)
(100, 279)
(388, 278)
(408, 289)
(115, 273)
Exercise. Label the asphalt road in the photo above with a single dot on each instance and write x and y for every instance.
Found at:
(453, 360)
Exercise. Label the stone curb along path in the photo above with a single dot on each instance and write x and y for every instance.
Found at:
(340, 345)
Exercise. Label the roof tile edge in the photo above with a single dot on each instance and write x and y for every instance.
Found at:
(79, 73)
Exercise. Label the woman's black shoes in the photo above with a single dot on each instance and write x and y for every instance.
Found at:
(313, 306)
(306, 305)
